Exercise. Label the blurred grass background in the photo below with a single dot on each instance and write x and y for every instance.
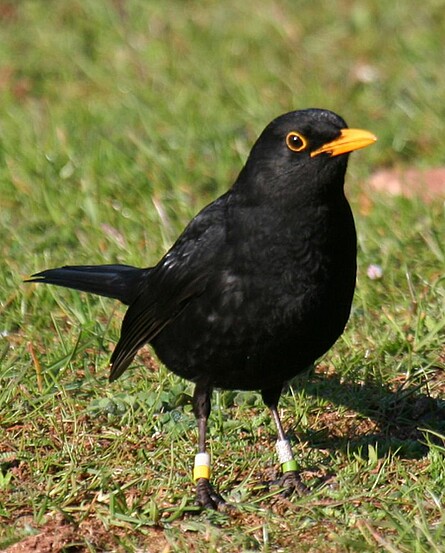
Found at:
(119, 120)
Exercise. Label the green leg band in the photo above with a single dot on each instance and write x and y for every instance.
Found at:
(289, 466)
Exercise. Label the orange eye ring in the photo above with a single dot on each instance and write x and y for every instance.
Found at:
(295, 141)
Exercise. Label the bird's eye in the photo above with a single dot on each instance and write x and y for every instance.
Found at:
(296, 142)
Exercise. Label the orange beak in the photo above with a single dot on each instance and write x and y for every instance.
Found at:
(348, 141)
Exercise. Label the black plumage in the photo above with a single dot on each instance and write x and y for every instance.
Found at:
(259, 284)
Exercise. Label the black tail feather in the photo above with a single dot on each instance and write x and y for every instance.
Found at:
(121, 282)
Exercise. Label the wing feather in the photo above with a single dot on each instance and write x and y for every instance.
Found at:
(147, 316)
(178, 278)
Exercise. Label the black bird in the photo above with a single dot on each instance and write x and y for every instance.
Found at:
(259, 284)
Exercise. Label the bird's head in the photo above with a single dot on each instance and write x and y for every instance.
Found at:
(304, 150)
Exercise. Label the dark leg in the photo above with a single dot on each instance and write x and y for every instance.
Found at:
(290, 481)
(205, 494)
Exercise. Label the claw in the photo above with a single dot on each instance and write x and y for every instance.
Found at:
(292, 483)
(206, 496)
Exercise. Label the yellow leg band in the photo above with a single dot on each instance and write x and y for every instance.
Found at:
(201, 471)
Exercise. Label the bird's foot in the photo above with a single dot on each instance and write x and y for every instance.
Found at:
(206, 496)
(292, 483)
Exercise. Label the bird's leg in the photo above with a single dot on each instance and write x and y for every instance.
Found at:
(205, 494)
(290, 481)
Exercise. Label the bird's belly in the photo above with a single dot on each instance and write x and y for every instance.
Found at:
(259, 334)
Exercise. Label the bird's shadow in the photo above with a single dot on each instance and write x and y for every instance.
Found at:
(402, 421)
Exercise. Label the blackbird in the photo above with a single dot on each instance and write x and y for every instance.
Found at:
(258, 285)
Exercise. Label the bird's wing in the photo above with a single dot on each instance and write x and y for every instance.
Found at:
(149, 314)
(179, 277)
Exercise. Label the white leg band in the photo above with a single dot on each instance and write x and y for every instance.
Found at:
(202, 460)
(284, 451)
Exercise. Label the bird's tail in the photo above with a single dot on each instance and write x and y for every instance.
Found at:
(121, 282)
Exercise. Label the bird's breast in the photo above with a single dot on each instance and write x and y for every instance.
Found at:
(279, 293)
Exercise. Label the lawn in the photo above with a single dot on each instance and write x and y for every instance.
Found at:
(119, 120)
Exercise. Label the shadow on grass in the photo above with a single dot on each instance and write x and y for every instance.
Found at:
(393, 421)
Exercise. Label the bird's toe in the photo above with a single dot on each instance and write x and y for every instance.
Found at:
(291, 483)
(206, 496)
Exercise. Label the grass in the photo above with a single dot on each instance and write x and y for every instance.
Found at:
(118, 121)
